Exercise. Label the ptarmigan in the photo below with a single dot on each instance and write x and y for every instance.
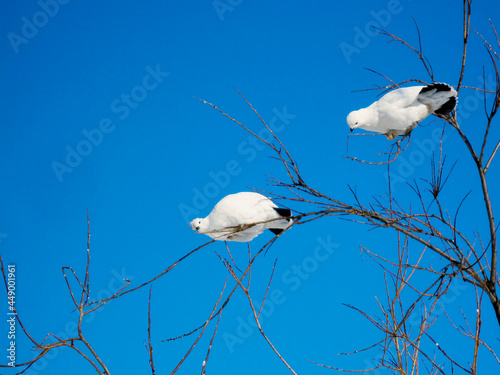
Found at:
(399, 112)
(241, 217)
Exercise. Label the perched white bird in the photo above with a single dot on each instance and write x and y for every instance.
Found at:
(241, 217)
(399, 112)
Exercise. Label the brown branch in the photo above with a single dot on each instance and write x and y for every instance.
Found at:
(466, 26)
(479, 301)
(149, 346)
(154, 278)
(228, 298)
(267, 289)
(211, 342)
(83, 302)
(418, 51)
(86, 282)
(256, 318)
(391, 155)
(491, 114)
(491, 157)
(212, 314)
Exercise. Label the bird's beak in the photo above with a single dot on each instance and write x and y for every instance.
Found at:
(351, 129)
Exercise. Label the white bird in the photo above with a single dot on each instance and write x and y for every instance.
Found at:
(399, 112)
(241, 217)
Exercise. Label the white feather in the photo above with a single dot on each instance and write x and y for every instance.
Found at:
(399, 112)
(240, 217)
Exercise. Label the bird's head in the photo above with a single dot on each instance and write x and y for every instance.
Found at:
(196, 224)
(354, 120)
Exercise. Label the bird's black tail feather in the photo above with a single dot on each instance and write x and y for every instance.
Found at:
(276, 231)
(437, 86)
(446, 107)
(285, 212)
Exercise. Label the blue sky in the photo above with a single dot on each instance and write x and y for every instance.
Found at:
(100, 114)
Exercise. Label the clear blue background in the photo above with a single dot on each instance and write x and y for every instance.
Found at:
(164, 161)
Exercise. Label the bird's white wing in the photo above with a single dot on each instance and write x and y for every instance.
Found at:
(236, 209)
(400, 98)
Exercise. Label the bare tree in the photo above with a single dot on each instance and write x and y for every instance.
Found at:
(414, 284)
(426, 224)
